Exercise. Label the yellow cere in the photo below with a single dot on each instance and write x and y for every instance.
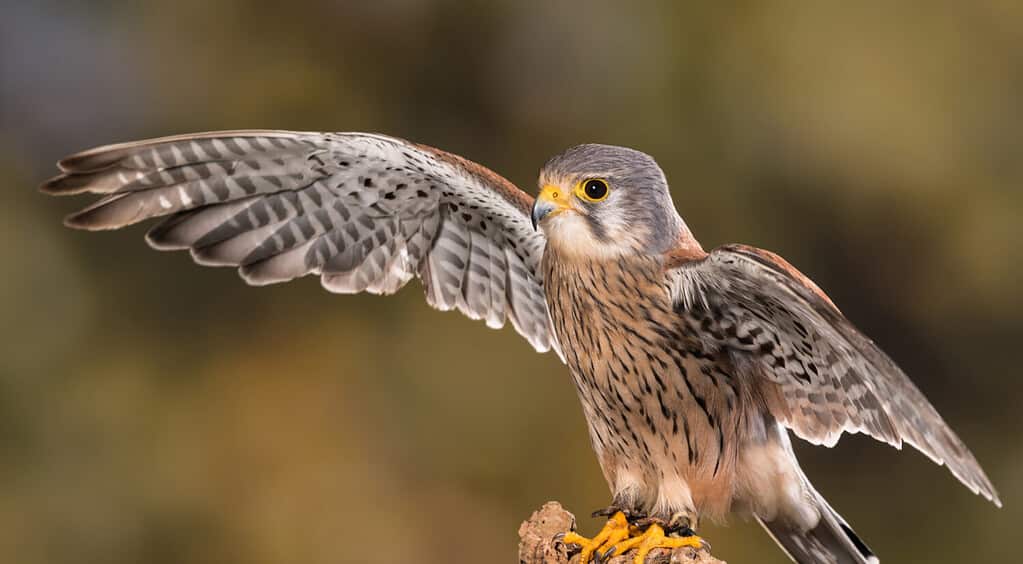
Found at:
(554, 194)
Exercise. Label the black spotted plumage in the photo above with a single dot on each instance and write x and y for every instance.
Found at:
(831, 377)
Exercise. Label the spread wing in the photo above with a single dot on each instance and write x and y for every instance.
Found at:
(364, 212)
(821, 376)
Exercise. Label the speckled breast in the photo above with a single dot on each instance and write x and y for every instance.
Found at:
(656, 403)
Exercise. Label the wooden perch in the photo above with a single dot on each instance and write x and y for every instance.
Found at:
(538, 543)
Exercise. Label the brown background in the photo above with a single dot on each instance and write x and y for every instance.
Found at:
(153, 411)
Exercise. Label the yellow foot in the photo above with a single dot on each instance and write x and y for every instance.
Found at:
(618, 536)
(615, 530)
(652, 538)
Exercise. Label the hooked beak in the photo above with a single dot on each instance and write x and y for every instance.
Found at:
(552, 200)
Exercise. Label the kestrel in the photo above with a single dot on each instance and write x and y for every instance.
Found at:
(692, 367)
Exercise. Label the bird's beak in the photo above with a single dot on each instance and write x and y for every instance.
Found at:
(552, 200)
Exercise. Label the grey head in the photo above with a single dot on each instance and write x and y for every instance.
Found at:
(605, 200)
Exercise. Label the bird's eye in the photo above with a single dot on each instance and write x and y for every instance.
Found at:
(594, 190)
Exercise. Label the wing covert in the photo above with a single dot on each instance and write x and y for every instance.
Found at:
(364, 212)
(825, 376)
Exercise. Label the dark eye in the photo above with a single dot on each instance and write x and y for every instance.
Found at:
(595, 190)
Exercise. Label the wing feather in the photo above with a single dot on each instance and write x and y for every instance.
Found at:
(783, 331)
(365, 212)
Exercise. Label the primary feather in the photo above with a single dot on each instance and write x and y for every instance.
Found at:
(781, 329)
(365, 212)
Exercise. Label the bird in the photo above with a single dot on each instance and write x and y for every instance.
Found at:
(693, 368)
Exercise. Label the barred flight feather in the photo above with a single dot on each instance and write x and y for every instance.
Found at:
(780, 329)
(365, 212)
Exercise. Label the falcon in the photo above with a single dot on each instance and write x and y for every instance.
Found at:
(692, 367)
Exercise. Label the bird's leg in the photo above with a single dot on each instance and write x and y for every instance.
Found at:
(617, 529)
(654, 536)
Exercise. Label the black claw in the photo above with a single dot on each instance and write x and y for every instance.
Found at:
(680, 531)
(570, 547)
(605, 512)
(631, 515)
(606, 556)
(645, 522)
(680, 526)
(560, 539)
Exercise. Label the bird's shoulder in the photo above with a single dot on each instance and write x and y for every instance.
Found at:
(500, 185)
(682, 257)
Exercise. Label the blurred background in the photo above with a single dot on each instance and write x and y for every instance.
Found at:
(154, 411)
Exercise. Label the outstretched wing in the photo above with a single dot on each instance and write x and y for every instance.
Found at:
(364, 212)
(821, 376)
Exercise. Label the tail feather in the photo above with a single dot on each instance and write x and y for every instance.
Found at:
(832, 541)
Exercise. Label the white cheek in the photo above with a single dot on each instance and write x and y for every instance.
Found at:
(571, 235)
(569, 227)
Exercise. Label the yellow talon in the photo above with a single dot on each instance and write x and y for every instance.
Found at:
(652, 538)
(615, 530)
(618, 535)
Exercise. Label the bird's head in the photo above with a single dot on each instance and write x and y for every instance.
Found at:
(602, 201)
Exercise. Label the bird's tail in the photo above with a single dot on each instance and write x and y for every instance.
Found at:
(832, 541)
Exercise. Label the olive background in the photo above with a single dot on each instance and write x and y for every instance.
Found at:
(155, 411)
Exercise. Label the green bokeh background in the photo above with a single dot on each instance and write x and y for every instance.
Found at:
(153, 411)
